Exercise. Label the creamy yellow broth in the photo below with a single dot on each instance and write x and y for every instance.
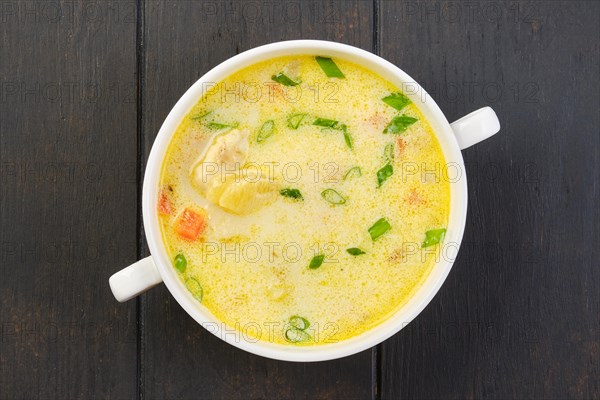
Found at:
(347, 295)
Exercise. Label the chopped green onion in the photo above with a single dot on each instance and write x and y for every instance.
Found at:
(294, 335)
(326, 123)
(388, 152)
(399, 124)
(347, 137)
(285, 80)
(396, 100)
(266, 130)
(293, 193)
(180, 262)
(379, 228)
(332, 196)
(434, 237)
(200, 116)
(384, 173)
(299, 322)
(353, 172)
(355, 251)
(329, 67)
(194, 287)
(216, 126)
(333, 124)
(295, 120)
(316, 261)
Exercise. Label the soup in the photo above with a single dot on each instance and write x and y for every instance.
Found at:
(303, 200)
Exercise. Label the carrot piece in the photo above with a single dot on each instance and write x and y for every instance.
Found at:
(190, 224)
(165, 205)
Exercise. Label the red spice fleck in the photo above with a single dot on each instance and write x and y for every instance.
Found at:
(414, 198)
(376, 120)
(400, 146)
(275, 90)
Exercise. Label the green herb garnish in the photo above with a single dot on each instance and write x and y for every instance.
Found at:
(399, 124)
(296, 332)
(384, 173)
(299, 322)
(316, 261)
(333, 124)
(347, 137)
(434, 237)
(195, 288)
(388, 152)
(379, 228)
(294, 335)
(326, 123)
(333, 196)
(266, 130)
(329, 67)
(292, 193)
(216, 126)
(396, 100)
(200, 116)
(285, 80)
(353, 172)
(355, 251)
(180, 262)
(295, 120)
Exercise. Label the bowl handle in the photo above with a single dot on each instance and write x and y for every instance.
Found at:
(475, 127)
(134, 280)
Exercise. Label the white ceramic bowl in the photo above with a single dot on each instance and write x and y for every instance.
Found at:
(157, 268)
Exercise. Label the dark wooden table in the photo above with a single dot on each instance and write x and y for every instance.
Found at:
(84, 87)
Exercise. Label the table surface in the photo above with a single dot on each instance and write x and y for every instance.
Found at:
(85, 87)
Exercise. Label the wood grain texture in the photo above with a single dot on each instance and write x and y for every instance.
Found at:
(518, 315)
(67, 199)
(182, 41)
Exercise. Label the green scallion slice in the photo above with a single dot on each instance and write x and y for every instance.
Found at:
(329, 67)
(200, 116)
(180, 263)
(333, 197)
(396, 100)
(434, 237)
(388, 152)
(353, 172)
(294, 335)
(195, 288)
(325, 122)
(355, 251)
(266, 130)
(316, 261)
(295, 120)
(333, 124)
(217, 126)
(399, 124)
(285, 80)
(347, 137)
(379, 228)
(384, 173)
(299, 322)
(292, 193)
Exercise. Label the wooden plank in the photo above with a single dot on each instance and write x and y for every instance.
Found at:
(67, 198)
(518, 315)
(182, 41)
